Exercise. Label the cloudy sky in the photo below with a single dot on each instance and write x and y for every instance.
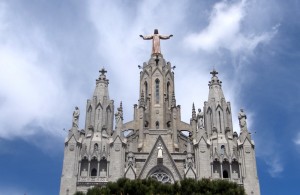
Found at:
(51, 52)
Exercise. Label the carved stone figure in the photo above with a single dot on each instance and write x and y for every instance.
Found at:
(200, 121)
(242, 120)
(159, 152)
(156, 40)
(76, 114)
(119, 116)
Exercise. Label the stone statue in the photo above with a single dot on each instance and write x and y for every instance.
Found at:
(242, 120)
(159, 152)
(200, 120)
(156, 40)
(76, 114)
(119, 116)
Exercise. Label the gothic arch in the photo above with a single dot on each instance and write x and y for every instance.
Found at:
(157, 88)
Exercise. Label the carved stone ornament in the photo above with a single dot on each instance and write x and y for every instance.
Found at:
(117, 147)
(71, 147)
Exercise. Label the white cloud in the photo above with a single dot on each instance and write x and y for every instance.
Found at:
(225, 30)
(297, 140)
(275, 165)
(30, 83)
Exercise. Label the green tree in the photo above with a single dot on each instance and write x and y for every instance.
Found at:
(152, 187)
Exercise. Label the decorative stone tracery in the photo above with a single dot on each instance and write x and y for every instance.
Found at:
(161, 176)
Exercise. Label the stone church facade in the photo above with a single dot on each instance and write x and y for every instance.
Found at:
(154, 144)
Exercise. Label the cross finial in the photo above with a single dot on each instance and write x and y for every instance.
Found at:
(102, 71)
(214, 72)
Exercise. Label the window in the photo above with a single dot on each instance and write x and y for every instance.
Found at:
(222, 149)
(94, 172)
(96, 147)
(157, 91)
(157, 124)
(146, 89)
(225, 174)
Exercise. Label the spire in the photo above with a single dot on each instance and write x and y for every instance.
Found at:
(193, 112)
(101, 89)
(215, 88)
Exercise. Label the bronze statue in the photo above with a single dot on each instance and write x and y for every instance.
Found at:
(156, 40)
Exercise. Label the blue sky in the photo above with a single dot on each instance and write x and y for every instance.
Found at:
(51, 51)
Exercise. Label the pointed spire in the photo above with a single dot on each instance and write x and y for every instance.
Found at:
(193, 112)
(121, 110)
(215, 88)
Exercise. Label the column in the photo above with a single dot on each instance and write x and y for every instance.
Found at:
(98, 171)
(89, 164)
(230, 170)
(212, 169)
(221, 170)
(79, 173)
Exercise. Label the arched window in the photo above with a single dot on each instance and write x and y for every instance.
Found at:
(220, 122)
(225, 174)
(146, 89)
(96, 147)
(222, 150)
(157, 124)
(168, 92)
(157, 91)
(94, 172)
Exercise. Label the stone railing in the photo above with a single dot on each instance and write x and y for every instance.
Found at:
(92, 179)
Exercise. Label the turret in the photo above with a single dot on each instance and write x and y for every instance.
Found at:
(99, 109)
(217, 111)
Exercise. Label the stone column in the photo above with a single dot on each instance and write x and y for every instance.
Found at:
(230, 170)
(221, 163)
(98, 171)
(89, 164)
(79, 173)
(212, 169)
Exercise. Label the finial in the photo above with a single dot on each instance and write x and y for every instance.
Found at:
(102, 76)
(121, 105)
(193, 111)
(102, 71)
(214, 72)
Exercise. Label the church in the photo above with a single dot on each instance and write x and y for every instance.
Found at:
(156, 143)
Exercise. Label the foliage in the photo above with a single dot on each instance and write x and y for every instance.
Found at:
(185, 187)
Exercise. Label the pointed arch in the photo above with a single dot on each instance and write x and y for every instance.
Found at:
(220, 119)
(157, 88)
(98, 117)
(209, 118)
(146, 89)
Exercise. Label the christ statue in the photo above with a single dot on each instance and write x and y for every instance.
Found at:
(156, 40)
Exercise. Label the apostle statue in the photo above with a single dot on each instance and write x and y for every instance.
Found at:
(156, 40)
(242, 120)
(200, 120)
(76, 114)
